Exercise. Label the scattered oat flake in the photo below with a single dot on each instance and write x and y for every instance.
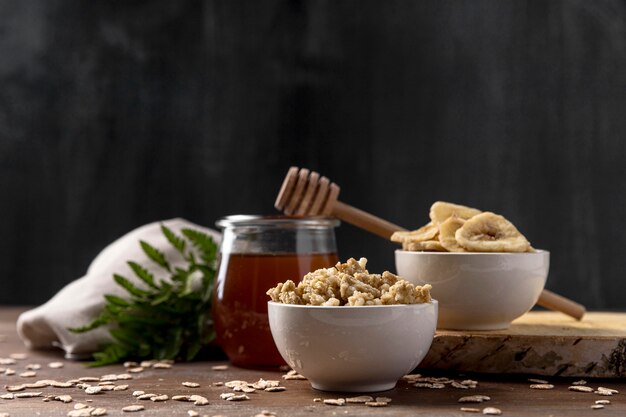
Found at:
(78, 406)
(383, 399)
(124, 376)
(147, 364)
(8, 396)
(262, 384)
(99, 412)
(181, 397)
(33, 366)
(240, 397)
(7, 361)
(138, 393)
(160, 398)
(611, 390)
(200, 400)
(469, 382)
(192, 413)
(83, 412)
(105, 383)
(15, 388)
(135, 370)
(108, 378)
(5, 415)
(541, 386)
(219, 367)
(93, 390)
(235, 383)
(63, 398)
(458, 385)
(161, 365)
(537, 381)
(55, 365)
(361, 399)
(597, 407)
(28, 394)
(376, 404)
(317, 400)
(108, 387)
(190, 384)
(580, 382)
(89, 379)
(18, 356)
(580, 388)
(275, 389)
(492, 411)
(130, 364)
(58, 384)
(474, 399)
(133, 408)
(293, 375)
(38, 384)
(470, 410)
(146, 396)
(438, 386)
(28, 374)
(335, 401)
(9, 371)
(603, 402)
(225, 395)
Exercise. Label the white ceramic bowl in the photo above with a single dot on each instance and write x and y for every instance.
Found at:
(477, 291)
(353, 349)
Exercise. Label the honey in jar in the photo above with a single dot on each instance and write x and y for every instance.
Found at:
(256, 254)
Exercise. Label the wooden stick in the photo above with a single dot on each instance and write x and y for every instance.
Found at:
(553, 301)
(364, 220)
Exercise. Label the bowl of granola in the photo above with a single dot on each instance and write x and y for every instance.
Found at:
(484, 272)
(347, 330)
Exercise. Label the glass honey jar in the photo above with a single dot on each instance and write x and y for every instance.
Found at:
(256, 253)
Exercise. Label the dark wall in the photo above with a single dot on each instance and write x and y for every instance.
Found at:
(118, 113)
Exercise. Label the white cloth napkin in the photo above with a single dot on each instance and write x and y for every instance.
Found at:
(79, 302)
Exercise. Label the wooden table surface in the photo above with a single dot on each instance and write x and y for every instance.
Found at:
(510, 394)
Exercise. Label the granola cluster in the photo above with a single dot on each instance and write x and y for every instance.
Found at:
(349, 284)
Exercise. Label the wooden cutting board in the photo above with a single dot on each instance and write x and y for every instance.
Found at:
(540, 343)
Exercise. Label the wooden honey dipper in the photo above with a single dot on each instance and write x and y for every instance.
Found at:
(306, 193)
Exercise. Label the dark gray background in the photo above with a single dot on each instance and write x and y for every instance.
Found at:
(118, 113)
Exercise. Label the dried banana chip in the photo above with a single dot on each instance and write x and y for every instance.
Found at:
(427, 245)
(447, 231)
(426, 232)
(440, 211)
(489, 232)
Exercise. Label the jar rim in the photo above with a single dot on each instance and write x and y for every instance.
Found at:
(247, 220)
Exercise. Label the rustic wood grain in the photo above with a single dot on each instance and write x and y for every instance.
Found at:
(541, 343)
(511, 394)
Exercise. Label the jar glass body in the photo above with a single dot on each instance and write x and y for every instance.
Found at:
(256, 253)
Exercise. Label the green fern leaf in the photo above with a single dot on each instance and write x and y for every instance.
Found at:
(155, 254)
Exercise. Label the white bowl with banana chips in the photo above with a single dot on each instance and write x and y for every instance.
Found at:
(477, 290)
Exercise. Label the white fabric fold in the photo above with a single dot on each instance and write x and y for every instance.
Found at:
(82, 300)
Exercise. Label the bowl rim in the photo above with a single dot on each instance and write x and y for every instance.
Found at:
(432, 302)
(433, 253)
